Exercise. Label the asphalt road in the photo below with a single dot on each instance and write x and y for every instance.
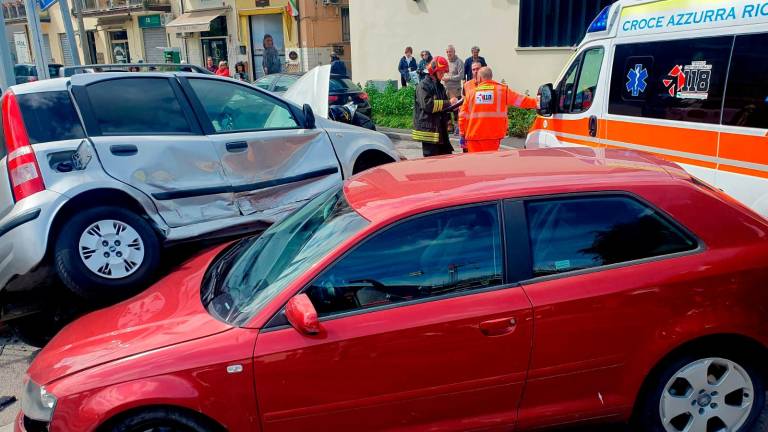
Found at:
(15, 356)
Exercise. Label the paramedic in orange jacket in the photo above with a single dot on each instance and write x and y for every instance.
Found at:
(485, 112)
(469, 87)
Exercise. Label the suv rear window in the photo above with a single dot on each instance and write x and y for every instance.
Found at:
(50, 116)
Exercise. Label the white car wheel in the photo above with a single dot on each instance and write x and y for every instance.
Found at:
(111, 249)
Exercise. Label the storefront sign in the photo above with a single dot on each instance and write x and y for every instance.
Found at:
(677, 15)
(22, 48)
(150, 21)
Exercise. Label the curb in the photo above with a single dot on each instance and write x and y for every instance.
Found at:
(402, 135)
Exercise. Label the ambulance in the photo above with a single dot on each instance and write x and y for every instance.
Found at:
(686, 80)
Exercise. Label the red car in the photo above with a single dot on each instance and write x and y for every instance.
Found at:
(523, 289)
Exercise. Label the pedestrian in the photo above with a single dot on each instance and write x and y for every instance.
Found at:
(426, 59)
(406, 66)
(452, 80)
(337, 66)
(468, 63)
(240, 73)
(223, 69)
(210, 65)
(430, 115)
(469, 88)
(485, 112)
(271, 61)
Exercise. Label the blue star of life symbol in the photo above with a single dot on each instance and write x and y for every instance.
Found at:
(637, 77)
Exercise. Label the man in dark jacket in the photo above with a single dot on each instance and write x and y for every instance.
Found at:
(430, 111)
(406, 66)
(337, 66)
(474, 59)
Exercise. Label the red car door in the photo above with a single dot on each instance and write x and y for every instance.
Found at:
(607, 269)
(422, 330)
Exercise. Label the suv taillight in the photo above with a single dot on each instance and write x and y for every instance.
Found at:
(23, 170)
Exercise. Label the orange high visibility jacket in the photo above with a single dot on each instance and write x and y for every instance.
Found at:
(469, 88)
(485, 110)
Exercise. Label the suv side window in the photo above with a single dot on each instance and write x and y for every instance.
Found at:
(236, 108)
(137, 106)
(431, 255)
(578, 233)
(674, 80)
(50, 116)
(746, 97)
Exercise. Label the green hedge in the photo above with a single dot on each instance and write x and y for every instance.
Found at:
(394, 108)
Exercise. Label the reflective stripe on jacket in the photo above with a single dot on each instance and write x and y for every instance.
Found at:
(428, 111)
(485, 110)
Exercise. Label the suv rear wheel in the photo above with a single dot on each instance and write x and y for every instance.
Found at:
(106, 253)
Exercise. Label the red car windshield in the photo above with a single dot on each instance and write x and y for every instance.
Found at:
(250, 274)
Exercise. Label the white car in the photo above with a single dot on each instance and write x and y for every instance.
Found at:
(98, 172)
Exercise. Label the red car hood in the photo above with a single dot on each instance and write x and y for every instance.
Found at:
(167, 313)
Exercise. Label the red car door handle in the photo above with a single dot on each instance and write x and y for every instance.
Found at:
(498, 327)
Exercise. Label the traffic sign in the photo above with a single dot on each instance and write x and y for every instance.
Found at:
(45, 4)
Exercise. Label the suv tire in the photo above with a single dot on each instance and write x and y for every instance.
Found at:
(106, 253)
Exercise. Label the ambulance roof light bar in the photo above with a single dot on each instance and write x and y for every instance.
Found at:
(600, 23)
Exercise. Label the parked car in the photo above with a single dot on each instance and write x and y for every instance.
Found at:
(158, 159)
(341, 89)
(28, 72)
(492, 291)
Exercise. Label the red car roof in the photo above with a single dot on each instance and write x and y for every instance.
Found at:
(405, 188)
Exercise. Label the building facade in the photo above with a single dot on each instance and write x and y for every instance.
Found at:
(305, 32)
(526, 42)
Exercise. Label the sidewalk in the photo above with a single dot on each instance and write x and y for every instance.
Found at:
(508, 143)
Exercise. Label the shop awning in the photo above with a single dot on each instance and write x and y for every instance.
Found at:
(195, 21)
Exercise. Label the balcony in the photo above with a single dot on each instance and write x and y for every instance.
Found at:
(14, 12)
(122, 7)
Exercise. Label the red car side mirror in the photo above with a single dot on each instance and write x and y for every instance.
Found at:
(302, 315)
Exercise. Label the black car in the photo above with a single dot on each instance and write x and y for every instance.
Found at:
(28, 72)
(342, 89)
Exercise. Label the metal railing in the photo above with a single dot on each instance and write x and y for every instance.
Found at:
(93, 6)
(14, 11)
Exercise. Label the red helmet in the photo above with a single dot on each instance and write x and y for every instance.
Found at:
(438, 64)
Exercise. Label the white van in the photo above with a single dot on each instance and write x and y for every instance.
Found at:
(686, 80)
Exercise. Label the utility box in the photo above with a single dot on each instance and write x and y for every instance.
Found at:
(172, 55)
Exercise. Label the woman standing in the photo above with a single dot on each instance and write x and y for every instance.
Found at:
(426, 59)
(223, 69)
(240, 73)
(406, 66)
(271, 63)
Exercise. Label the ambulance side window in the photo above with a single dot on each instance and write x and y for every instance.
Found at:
(576, 91)
(566, 86)
(672, 80)
(746, 97)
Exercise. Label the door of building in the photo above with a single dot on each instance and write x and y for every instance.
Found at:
(47, 47)
(154, 42)
(119, 44)
(260, 25)
(91, 35)
(66, 50)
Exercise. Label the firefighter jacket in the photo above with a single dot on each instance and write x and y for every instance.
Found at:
(429, 115)
(483, 114)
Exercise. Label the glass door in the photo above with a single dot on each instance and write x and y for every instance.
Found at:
(119, 44)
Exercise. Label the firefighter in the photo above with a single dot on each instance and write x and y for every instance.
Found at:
(485, 111)
(469, 87)
(430, 111)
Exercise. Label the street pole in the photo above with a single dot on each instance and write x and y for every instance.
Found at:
(66, 17)
(33, 21)
(7, 76)
(77, 6)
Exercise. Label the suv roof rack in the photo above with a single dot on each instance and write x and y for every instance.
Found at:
(134, 67)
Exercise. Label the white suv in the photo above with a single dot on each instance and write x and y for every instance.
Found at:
(99, 171)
